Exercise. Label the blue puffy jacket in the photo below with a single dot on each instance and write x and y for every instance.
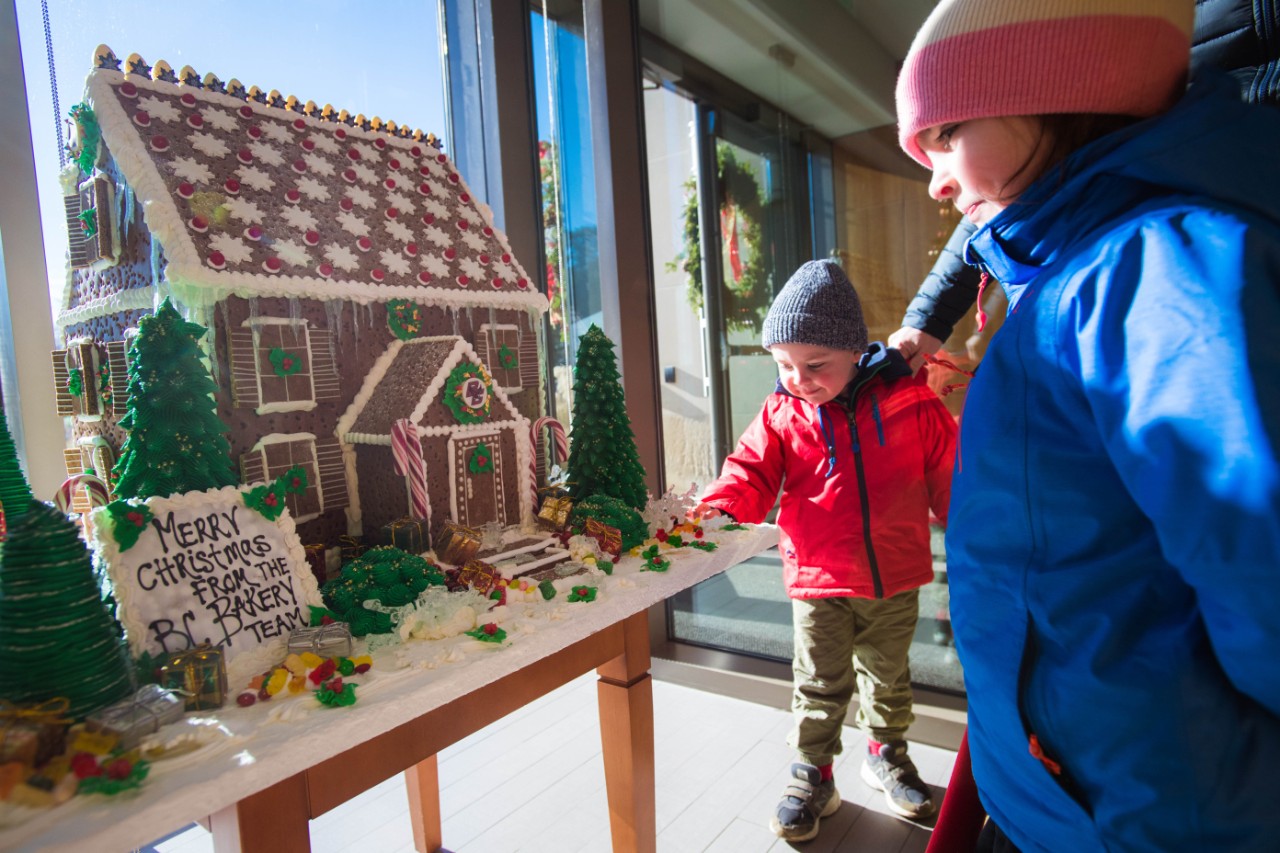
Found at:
(1114, 542)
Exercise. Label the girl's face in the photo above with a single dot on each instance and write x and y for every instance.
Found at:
(983, 165)
(814, 374)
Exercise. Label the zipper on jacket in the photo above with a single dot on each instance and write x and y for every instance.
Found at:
(876, 584)
(875, 415)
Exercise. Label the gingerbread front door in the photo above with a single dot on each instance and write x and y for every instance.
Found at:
(477, 480)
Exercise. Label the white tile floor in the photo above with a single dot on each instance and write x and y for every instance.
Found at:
(534, 781)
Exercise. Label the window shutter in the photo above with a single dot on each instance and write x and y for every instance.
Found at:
(118, 365)
(528, 350)
(83, 250)
(324, 372)
(244, 369)
(90, 398)
(333, 474)
(511, 378)
(74, 458)
(65, 399)
(252, 468)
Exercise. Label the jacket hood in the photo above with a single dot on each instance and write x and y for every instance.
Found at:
(1110, 178)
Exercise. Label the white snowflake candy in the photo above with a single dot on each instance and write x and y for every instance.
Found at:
(252, 176)
(191, 170)
(266, 153)
(318, 165)
(397, 229)
(209, 145)
(360, 196)
(277, 132)
(313, 188)
(291, 253)
(472, 268)
(400, 202)
(342, 257)
(476, 241)
(298, 218)
(353, 224)
(436, 236)
(435, 208)
(219, 120)
(364, 173)
(232, 247)
(433, 165)
(324, 142)
(243, 209)
(368, 154)
(506, 272)
(160, 109)
(435, 265)
(394, 262)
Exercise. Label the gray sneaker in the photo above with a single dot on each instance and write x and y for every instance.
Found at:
(804, 803)
(893, 772)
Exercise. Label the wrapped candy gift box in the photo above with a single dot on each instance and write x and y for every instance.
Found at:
(554, 513)
(479, 575)
(199, 675)
(32, 734)
(327, 641)
(135, 718)
(407, 534)
(457, 543)
(608, 538)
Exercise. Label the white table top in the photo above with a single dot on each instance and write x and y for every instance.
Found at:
(253, 748)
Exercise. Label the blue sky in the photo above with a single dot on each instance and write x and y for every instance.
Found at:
(379, 59)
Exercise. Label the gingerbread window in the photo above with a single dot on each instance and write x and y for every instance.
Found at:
(275, 454)
(284, 367)
(502, 355)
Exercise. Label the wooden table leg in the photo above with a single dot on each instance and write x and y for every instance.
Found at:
(626, 731)
(274, 819)
(423, 784)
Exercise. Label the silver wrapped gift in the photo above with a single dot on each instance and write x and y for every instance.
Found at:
(328, 641)
(133, 719)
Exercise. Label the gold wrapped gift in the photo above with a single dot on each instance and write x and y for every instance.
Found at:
(32, 734)
(479, 575)
(554, 514)
(457, 543)
(199, 675)
(406, 533)
(608, 538)
(135, 718)
(328, 641)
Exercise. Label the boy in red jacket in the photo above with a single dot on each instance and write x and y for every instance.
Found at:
(861, 451)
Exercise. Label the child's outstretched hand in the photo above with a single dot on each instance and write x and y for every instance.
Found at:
(701, 511)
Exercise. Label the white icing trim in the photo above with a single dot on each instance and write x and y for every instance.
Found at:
(295, 406)
(254, 322)
(115, 303)
(371, 381)
(281, 438)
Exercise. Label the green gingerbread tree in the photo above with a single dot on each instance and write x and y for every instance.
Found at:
(176, 440)
(602, 448)
(58, 637)
(15, 494)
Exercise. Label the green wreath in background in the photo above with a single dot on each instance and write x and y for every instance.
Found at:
(746, 291)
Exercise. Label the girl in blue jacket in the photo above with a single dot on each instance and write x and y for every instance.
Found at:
(1119, 627)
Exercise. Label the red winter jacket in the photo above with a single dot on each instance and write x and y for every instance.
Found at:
(855, 513)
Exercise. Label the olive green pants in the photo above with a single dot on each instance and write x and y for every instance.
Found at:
(840, 643)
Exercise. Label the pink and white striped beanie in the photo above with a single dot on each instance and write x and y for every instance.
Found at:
(986, 58)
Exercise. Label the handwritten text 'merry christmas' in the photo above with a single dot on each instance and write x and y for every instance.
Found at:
(227, 568)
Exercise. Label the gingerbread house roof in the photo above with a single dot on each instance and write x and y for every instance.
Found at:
(394, 389)
(258, 195)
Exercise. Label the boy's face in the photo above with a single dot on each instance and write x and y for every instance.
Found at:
(983, 165)
(814, 374)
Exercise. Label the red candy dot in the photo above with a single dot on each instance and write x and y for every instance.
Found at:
(424, 171)
(231, 185)
(395, 164)
(364, 244)
(464, 198)
(377, 275)
(299, 124)
(299, 166)
(349, 175)
(392, 213)
(522, 283)
(244, 155)
(245, 111)
(389, 183)
(463, 225)
(506, 258)
(428, 218)
(415, 151)
(245, 699)
(188, 99)
(308, 145)
(450, 253)
(497, 284)
(380, 144)
(292, 196)
(272, 265)
(488, 232)
(253, 232)
(424, 189)
(411, 249)
(453, 177)
(484, 259)
(142, 119)
(325, 269)
(128, 90)
(340, 133)
(311, 238)
(194, 120)
(463, 280)
(159, 143)
(217, 260)
(186, 190)
(199, 224)
(440, 158)
(255, 132)
(346, 204)
(353, 154)
(424, 277)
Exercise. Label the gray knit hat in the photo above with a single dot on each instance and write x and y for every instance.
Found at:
(818, 306)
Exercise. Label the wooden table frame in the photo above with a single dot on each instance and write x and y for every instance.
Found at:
(275, 819)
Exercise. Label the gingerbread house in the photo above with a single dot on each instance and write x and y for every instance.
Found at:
(346, 275)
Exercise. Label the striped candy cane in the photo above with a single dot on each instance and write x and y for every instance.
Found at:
(94, 486)
(560, 449)
(407, 449)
